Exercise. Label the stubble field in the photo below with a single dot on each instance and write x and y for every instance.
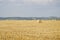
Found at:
(29, 30)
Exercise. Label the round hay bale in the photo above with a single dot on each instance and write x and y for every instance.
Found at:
(39, 21)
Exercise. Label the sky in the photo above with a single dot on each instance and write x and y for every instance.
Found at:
(29, 8)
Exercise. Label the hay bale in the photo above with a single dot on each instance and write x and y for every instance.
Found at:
(39, 21)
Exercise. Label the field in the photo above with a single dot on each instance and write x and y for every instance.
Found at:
(29, 30)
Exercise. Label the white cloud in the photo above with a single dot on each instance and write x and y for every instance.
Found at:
(42, 2)
(33, 2)
(12, 0)
(1, 0)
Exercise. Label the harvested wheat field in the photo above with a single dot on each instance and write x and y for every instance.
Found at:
(29, 30)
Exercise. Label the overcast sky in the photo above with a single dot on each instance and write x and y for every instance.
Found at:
(29, 8)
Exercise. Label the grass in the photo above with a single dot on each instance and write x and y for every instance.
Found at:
(29, 30)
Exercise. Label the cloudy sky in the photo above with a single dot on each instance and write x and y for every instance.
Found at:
(29, 8)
